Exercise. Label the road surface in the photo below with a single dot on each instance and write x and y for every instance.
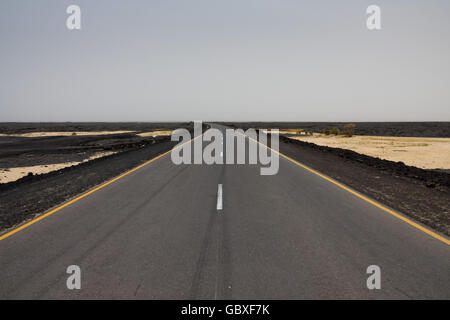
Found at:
(157, 233)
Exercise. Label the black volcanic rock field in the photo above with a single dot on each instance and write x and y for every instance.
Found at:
(28, 127)
(395, 129)
(25, 151)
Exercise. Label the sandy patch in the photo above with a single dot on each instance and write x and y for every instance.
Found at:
(62, 133)
(425, 153)
(287, 131)
(156, 133)
(13, 174)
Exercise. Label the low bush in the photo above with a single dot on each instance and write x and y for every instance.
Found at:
(335, 131)
(349, 129)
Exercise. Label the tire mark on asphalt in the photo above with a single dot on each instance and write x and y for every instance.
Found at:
(202, 260)
(137, 289)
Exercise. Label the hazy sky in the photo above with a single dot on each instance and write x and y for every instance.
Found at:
(176, 60)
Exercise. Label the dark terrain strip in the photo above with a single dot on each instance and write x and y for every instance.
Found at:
(434, 129)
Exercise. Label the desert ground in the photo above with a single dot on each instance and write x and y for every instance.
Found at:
(15, 173)
(425, 153)
(39, 148)
(423, 145)
(22, 153)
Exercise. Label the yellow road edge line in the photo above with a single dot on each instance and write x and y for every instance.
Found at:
(359, 195)
(45, 215)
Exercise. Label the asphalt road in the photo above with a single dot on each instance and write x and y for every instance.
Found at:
(157, 234)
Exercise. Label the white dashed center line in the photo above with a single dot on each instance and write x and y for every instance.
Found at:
(219, 197)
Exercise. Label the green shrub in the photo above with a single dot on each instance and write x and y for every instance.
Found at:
(335, 131)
